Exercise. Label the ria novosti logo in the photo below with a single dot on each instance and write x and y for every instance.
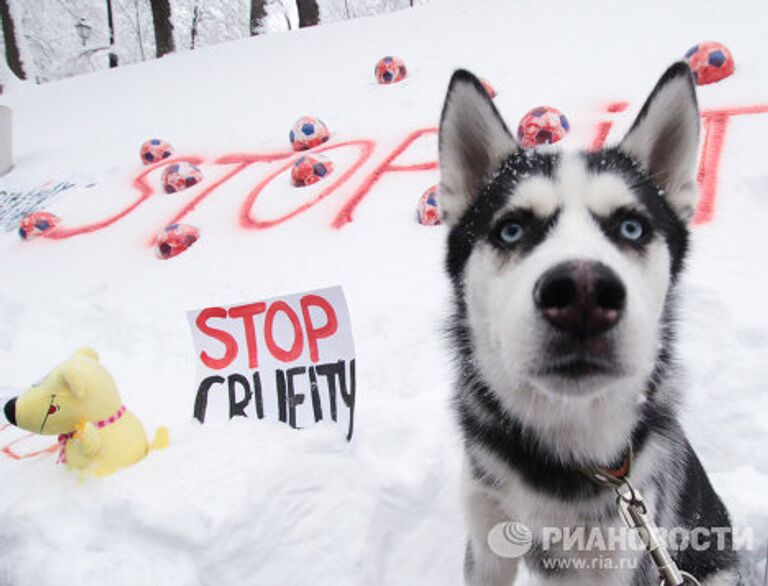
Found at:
(510, 539)
(513, 539)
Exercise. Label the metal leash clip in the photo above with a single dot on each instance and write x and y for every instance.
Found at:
(635, 514)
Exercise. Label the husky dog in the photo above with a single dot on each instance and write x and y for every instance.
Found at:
(564, 270)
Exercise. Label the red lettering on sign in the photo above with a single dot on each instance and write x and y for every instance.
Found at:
(314, 333)
(230, 344)
(298, 338)
(246, 313)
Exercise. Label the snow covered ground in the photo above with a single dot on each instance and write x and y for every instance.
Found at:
(247, 502)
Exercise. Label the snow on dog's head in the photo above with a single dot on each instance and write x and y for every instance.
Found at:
(563, 264)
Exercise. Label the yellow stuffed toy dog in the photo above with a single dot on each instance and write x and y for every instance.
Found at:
(79, 402)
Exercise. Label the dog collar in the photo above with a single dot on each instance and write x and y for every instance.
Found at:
(634, 511)
(65, 437)
(611, 477)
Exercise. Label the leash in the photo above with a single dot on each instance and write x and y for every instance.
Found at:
(65, 437)
(634, 512)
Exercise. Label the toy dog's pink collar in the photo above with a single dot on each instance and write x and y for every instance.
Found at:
(65, 437)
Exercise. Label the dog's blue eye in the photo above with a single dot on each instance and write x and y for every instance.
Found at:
(632, 230)
(511, 233)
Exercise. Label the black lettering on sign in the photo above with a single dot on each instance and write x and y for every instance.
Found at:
(329, 372)
(317, 408)
(281, 396)
(259, 400)
(294, 398)
(348, 394)
(201, 399)
(337, 370)
(238, 407)
(241, 391)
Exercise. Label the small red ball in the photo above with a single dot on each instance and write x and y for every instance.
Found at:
(310, 169)
(390, 70)
(542, 125)
(175, 239)
(37, 224)
(155, 150)
(307, 133)
(428, 210)
(489, 89)
(180, 176)
(710, 62)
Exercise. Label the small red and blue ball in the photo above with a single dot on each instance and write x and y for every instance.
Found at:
(37, 224)
(180, 176)
(542, 125)
(428, 212)
(310, 169)
(710, 62)
(175, 239)
(489, 89)
(390, 70)
(307, 133)
(155, 150)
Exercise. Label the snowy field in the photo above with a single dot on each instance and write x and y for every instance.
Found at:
(252, 502)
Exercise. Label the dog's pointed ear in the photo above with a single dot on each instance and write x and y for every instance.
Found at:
(473, 142)
(664, 138)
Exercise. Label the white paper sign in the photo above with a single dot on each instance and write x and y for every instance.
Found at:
(289, 359)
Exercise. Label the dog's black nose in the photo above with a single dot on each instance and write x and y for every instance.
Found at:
(10, 411)
(581, 298)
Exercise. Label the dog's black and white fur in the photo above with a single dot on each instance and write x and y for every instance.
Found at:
(564, 268)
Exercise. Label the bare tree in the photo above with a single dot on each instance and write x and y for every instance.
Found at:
(309, 13)
(258, 13)
(161, 15)
(12, 54)
(134, 21)
(195, 22)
